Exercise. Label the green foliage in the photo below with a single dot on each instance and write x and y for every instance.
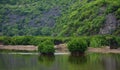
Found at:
(113, 41)
(108, 40)
(77, 45)
(7, 41)
(64, 17)
(46, 47)
(112, 6)
(118, 13)
(31, 17)
(1, 38)
(36, 40)
(118, 41)
(86, 18)
(17, 40)
(98, 41)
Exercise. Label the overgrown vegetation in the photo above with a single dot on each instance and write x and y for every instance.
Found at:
(30, 17)
(98, 41)
(91, 41)
(46, 47)
(87, 17)
(77, 46)
(56, 17)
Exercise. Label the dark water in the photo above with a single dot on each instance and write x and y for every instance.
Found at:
(90, 61)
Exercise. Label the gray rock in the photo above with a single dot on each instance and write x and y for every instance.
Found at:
(110, 24)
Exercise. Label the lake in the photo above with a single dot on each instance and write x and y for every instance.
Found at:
(91, 61)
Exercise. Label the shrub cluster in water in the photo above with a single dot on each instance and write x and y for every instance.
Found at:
(77, 46)
(47, 47)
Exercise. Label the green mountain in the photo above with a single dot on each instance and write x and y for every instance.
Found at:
(90, 17)
(59, 17)
(30, 17)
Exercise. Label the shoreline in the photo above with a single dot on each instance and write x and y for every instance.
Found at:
(103, 50)
(30, 49)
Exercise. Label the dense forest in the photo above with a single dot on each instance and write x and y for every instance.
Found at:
(59, 17)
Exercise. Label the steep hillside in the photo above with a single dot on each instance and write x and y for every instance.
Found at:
(90, 17)
(59, 17)
(30, 17)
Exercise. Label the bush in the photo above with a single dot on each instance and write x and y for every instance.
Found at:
(118, 41)
(98, 41)
(113, 42)
(1, 39)
(17, 40)
(7, 40)
(38, 40)
(46, 47)
(35, 41)
(77, 46)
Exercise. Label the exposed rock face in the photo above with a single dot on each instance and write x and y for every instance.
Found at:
(118, 23)
(110, 24)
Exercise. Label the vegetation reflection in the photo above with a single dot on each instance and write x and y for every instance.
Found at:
(46, 60)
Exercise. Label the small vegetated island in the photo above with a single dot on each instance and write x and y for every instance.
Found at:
(45, 23)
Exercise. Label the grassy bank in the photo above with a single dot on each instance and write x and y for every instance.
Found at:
(76, 43)
(92, 41)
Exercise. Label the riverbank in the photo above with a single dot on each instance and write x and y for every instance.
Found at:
(62, 48)
(103, 50)
(18, 47)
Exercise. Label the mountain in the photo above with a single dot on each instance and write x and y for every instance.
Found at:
(90, 17)
(59, 17)
(30, 17)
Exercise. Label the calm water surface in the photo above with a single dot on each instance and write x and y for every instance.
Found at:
(92, 61)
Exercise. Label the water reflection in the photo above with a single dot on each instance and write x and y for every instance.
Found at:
(77, 60)
(111, 62)
(17, 62)
(46, 60)
(93, 61)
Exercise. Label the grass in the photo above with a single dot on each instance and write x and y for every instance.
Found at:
(75, 44)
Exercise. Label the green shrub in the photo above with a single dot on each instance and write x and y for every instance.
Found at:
(46, 47)
(118, 41)
(17, 40)
(118, 13)
(7, 40)
(98, 41)
(38, 40)
(77, 46)
(35, 41)
(113, 42)
(26, 40)
(1, 39)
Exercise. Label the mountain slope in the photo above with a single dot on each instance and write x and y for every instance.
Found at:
(59, 17)
(90, 17)
(30, 17)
